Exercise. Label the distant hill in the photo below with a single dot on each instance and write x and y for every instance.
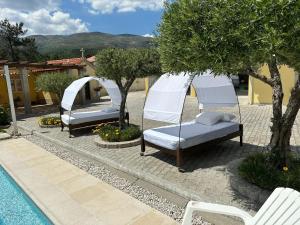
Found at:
(58, 46)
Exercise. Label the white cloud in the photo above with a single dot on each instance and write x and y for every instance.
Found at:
(43, 21)
(148, 35)
(109, 6)
(30, 5)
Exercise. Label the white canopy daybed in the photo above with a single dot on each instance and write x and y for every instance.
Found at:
(165, 102)
(76, 120)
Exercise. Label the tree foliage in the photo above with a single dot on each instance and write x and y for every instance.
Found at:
(232, 36)
(13, 46)
(229, 35)
(55, 83)
(124, 66)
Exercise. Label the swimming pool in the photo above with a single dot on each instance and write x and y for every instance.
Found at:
(16, 208)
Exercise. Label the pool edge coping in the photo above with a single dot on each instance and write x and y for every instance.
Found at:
(29, 193)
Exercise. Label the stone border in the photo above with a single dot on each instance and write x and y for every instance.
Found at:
(125, 144)
(48, 126)
(243, 187)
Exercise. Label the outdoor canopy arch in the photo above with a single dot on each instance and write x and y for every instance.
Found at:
(71, 91)
(165, 99)
(165, 103)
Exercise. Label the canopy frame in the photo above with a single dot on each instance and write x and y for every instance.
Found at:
(179, 151)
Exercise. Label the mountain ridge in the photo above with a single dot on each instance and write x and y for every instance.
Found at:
(57, 46)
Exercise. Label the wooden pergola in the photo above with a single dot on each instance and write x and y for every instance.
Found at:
(23, 67)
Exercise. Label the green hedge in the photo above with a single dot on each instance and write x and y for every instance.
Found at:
(4, 116)
(110, 132)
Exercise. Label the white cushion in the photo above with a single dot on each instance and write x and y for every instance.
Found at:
(209, 118)
(110, 109)
(227, 117)
(192, 134)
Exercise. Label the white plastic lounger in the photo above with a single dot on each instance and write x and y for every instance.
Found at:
(281, 208)
(192, 134)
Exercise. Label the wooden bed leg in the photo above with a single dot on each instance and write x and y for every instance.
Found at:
(61, 112)
(241, 140)
(179, 160)
(70, 131)
(143, 148)
(241, 134)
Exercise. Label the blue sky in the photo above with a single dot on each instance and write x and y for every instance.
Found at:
(139, 22)
(72, 16)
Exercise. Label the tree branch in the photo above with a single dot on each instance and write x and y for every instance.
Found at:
(129, 83)
(260, 77)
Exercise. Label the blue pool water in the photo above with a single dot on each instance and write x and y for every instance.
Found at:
(16, 208)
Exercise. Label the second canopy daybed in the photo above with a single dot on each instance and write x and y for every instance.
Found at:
(165, 103)
(76, 120)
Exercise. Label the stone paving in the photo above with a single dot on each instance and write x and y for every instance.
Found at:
(206, 177)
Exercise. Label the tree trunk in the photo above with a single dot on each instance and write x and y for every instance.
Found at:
(124, 92)
(122, 122)
(277, 100)
(282, 124)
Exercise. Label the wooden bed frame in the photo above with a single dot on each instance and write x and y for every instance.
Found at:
(73, 127)
(180, 152)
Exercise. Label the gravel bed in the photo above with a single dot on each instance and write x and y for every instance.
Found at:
(146, 196)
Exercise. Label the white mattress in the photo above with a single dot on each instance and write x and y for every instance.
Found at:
(84, 117)
(192, 134)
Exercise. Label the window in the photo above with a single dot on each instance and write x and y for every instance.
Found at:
(16, 85)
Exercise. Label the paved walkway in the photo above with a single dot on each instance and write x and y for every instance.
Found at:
(206, 179)
(68, 195)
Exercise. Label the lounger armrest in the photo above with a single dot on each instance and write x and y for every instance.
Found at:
(213, 208)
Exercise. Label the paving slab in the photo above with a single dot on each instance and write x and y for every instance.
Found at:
(68, 195)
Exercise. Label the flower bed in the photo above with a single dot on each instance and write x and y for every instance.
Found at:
(260, 169)
(51, 121)
(110, 132)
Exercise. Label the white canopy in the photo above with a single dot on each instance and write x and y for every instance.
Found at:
(166, 98)
(214, 91)
(71, 91)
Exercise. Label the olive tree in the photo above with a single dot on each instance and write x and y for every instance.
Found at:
(124, 66)
(55, 83)
(232, 36)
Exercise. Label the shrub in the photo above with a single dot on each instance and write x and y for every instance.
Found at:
(55, 83)
(4, 116)
(50, 121)
(110, 132)
(260, 169)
